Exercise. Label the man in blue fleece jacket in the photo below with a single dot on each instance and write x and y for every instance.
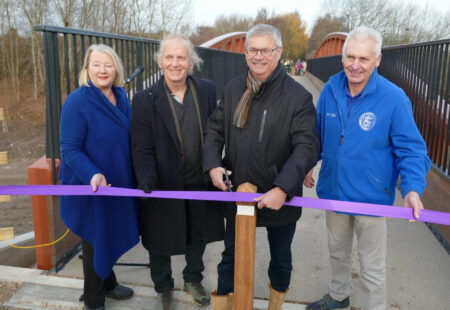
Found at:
(368, 138)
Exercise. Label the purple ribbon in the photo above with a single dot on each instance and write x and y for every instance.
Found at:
(429, 216)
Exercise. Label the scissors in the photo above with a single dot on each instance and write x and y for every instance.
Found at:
(227, 180)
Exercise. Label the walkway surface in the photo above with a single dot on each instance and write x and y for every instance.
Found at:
(418, 270)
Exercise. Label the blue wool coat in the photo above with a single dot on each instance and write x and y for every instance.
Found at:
(94, 138)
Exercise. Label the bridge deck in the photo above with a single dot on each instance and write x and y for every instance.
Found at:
(418, 270)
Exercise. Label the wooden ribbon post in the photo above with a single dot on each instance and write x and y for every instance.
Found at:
(244, 260)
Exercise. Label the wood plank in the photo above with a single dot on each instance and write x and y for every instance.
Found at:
(244, 260)
(7, 233)
(3, 158)
(3, 120)
(5, 198)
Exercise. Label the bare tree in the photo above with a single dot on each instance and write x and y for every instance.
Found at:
(232, 23)
(65, 10)
(11, 45)
(143, 16)
(398, 22)
(174, 15)
(35, 13)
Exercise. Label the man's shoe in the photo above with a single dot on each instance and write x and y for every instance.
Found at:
(196, 289)
(120, 292)
(89, 308)
(165, 301)
(327, 302)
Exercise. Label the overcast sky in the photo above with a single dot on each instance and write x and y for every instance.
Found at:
(206, 11)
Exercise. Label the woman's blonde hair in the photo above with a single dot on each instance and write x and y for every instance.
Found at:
(84, 79)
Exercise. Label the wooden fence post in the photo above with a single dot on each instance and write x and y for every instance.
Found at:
(3, 119)
(244, 259)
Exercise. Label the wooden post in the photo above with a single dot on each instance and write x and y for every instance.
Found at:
(3, 119)
(244, 259)
(3, 158)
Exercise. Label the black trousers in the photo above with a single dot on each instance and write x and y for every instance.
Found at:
(160, 266)
(94, 287)
(161, 269)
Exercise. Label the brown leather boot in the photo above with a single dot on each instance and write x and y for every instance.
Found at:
(276, 299)
(221, 302)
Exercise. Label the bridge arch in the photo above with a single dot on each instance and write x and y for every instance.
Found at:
(233, 42)
(331, 45)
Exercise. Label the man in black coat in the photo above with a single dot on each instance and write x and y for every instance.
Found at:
(167, 126)
(267, 123)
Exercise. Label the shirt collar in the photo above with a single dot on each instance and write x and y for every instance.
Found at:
(347, 92)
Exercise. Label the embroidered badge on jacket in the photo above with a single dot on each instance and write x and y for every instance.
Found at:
(367, 121)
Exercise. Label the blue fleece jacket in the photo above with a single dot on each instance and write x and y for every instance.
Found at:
(364, 153)
(95, 138)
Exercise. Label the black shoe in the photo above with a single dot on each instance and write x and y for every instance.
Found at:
(89, 308)
(327, 302)
(120, 292)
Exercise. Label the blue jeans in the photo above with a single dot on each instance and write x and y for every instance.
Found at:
(280, 267)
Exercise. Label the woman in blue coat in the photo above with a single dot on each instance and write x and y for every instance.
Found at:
(95, 150)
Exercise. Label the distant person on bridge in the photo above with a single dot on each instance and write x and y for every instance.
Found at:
(369, 138)
(167, 127)
(267, 123)
(95, 150)
(299, 68)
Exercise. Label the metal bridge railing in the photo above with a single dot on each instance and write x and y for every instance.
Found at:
(422, 70)
(64, 50)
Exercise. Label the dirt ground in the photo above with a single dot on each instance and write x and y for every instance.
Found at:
(21, 155)
(24, 143)
(7, 290)
(23, 149)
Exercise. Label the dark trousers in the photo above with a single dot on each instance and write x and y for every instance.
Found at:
(94, 287)
(160, 266)
(161, 269)
(280, 267)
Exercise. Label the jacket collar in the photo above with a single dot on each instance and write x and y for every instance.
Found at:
(119, 113)
(162, 105)
(277, 74)
(339, 82)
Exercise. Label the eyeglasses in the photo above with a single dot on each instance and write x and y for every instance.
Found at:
(266, 52)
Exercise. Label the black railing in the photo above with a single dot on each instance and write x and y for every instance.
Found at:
(64, 50)
(422, 70)
(324, 67)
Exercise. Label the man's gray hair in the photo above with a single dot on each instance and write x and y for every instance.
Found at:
(264, 29)
(362, 33)
(194, 59)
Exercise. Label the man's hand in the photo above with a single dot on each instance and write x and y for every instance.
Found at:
(216, 175)
(309, 180)
(98, 180)
(273, 199)
(412, 200)
(146, 184)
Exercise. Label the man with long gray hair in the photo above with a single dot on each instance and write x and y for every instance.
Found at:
(368, 137)
(267, 123)
(167, 126)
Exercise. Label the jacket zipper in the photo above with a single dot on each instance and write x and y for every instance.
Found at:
(341, 140)
(261, 130)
